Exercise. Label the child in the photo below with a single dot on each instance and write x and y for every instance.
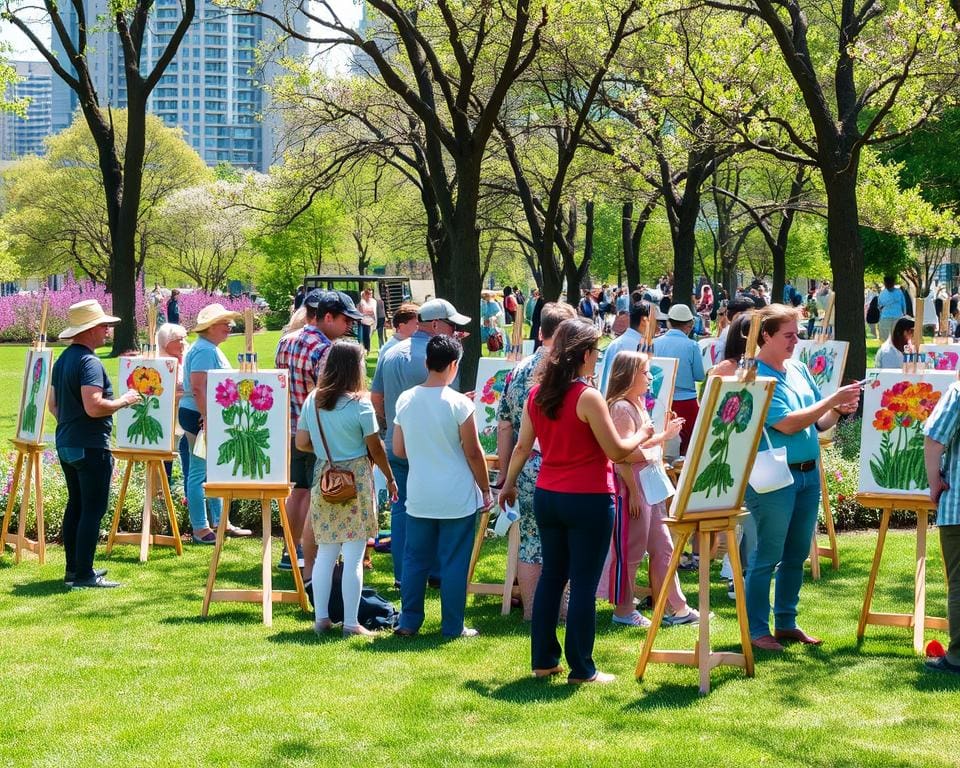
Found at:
(448, 482)
(639, 527)
(941, 452)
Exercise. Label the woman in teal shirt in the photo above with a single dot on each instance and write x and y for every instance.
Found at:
(784, 520)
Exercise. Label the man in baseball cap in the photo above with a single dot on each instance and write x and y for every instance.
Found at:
(676, 342)
(405, 366)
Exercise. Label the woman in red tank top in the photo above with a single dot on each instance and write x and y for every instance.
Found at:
(573, 500)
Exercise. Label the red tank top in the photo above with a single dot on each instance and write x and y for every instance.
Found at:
(572, 459)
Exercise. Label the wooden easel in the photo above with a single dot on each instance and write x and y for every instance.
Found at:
(923, 507)
(508, 588)
(28, 466)
(704, 525)
(831, 550)
(265, 493)
(155, 477)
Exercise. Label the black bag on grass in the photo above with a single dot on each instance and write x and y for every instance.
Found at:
(375, 612)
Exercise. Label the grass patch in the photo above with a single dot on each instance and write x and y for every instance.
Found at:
(113, 678)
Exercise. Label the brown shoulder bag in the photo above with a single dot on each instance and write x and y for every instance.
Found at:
(337, 485)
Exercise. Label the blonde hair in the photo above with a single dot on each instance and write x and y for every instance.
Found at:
(623, 373)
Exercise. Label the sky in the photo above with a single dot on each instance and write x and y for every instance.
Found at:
(22, 48)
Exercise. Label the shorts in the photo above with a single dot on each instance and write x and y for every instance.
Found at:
(301, 467)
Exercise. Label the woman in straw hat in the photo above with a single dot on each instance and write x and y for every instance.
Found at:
(81, 400)
(213, 327)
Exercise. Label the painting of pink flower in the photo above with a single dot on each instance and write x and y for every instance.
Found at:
(227, 393)
(261, 398)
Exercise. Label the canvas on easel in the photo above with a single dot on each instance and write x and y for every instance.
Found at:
(711, 352)
(940, 357)
(33, 395)
(659, 396)
(492, 375)
(150, 425)
(826, 360)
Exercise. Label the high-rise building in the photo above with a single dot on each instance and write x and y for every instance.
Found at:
(212, 89)
(21, 136)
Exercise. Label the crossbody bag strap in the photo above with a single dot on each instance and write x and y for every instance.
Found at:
(323, 437)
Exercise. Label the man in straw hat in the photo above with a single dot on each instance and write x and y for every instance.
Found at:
(81, 399)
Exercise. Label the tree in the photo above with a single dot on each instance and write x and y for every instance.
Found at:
(56, 215)
(452, 66)
(121, 163)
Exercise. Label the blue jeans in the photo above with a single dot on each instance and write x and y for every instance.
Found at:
(87, 472)
(784, 522)
(398, 515)
(575, 531)
(450, 542)
(183, 447)
(196, 476)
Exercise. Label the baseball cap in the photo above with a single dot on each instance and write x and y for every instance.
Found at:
(335, 302)
(441, 309)
(680, 313)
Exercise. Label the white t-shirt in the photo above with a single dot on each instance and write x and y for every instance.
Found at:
(440, 484)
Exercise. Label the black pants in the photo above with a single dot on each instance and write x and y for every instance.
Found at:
(381, 330)
(950, 546)
(365, 336)
(87, 472)
(575, 531)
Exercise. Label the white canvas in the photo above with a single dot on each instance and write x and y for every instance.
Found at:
(491, 381)
(941, 357)
(663, 377)
(33, 395)
(896, 405)
(248, 427)
(825, 360)
(711, 352)
(148, 426)
(723, 445)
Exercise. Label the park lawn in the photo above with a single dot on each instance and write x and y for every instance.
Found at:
(134, 676)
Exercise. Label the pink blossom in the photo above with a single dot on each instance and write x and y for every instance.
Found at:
(730, 410)
(227, 393)
(261, 398)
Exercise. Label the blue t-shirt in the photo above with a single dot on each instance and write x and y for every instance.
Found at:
(892, 304)
(346, 427)
(675, 343)
(78, 367)
(203, 356)
(795, 390)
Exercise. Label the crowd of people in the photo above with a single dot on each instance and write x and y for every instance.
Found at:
(574, 439)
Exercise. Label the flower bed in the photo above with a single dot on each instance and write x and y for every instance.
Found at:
(20, 313)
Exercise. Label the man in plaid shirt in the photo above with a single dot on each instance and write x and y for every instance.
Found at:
(330, 315)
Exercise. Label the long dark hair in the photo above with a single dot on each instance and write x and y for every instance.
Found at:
(898, 336)
(736, 342)
(343, 374)
(571, 344)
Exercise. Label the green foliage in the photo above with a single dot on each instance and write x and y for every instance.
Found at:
(883, 253)
(929, 160)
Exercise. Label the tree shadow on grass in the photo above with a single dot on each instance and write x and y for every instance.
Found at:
(526, 690)
(235, 616)
(288, 750)
(931, 681)
(665, 696)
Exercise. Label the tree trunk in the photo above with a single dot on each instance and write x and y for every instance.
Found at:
(846, 261)
(630, 262)
(685, 246)
(779, 273)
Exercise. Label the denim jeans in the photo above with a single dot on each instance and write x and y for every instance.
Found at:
(398, 515)
(196, 476)
(87, 472)
(429, 540)
(950, 546)
(575, 531)
(183, 448)
(784, 521)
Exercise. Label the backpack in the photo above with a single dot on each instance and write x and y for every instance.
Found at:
(495, 341)
(375, 612)
(586, 308)
(873, 311)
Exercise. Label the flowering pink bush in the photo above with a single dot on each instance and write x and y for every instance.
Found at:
(20, 314)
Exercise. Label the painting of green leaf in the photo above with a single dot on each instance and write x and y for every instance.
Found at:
(732, 417)
(825, 361)
(30, 412)
(492, 375)
(820, 361)
(144, 428)
(33, 395)
(149, 425)
(904, 409)
(245, 405)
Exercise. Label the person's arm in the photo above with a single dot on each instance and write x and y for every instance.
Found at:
(97, 406)
(824, 413)
(630, 481)
(379, 455)
(592, 409)
(698, 374)
(674, 425)
(52, 403)
(505, 446)
(470, 441)
(198, 387)
(303, 442)
(625, 426)
(377, 399)
(932, 455)
(521, 452)
(399, 449)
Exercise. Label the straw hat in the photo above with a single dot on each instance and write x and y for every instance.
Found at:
(213, 314)
(85, 315)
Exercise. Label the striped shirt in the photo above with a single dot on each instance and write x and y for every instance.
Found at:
(943, 425)
(301, 353)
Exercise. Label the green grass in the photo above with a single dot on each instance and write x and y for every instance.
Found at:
(135, 676)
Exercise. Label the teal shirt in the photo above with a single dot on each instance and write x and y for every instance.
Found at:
(203, 356)
(943, 425)
(795, 390)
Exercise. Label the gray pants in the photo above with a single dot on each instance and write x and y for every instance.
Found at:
(886, 326)
(950, 546)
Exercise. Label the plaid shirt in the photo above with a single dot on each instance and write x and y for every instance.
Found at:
(302, 354)
(943, 425)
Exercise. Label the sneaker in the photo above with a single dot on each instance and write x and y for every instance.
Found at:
(285, 564)
(688, 562)
(69, 577)
(299, 556)
(97, 582)
(692, 616)
(635, 619)
(942, 665)
(731, 590)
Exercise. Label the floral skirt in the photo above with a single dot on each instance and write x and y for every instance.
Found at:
(352, 520)
(529, 532)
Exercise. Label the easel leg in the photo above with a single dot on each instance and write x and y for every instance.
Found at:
(11, 501)
(815, 558)
(513, 554)
(661, 605)
(920, 584)
(215, 560)
(24, 508)
(874, 569)
(288, 540)
(171, 514)
(477, 542)
(828, 519)
(703, 646)
(741, 601)
(148, 491)
(121, 497)
(266, 564)
(38, 507)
